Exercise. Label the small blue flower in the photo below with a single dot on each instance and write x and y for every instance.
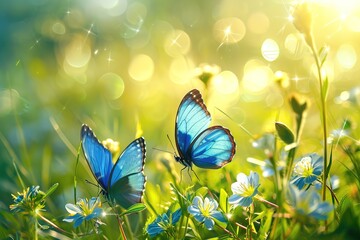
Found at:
(308, 203)
(266, 143)
(268, 169)
(244, 189)
(205, 211)
(333, 183)
(163, 222)
(307, 170)
(83, 210)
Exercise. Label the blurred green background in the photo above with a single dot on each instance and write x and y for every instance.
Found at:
(123, 67)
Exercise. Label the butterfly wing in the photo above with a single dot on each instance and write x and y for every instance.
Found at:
(97, 156)
(127, 179)
(192, 118)
(213, 148)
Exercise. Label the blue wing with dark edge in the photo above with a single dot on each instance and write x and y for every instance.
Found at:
(97, 156)
(127, 179)
(192, 118)
(213, 148)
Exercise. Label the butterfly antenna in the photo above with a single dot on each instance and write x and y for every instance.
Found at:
(171, 144)
(91, 183)
(239, 124)
(161, 150)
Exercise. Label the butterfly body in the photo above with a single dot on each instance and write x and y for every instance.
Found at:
(122, 182)
(209, 148)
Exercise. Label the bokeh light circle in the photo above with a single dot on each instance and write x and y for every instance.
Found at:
(141, 67)
(78, 52)
(113, 7)
(136, 13)
(295, 46)
(58, 28)
(257, 76)
(229, 30)
(258, 23)
(274, 99)
(112, 86)
(177, 43)
(270, 50)
(353, 23)
(108, 4)
(9, 99)
(346, 56)
(226, 82)
(181, 70)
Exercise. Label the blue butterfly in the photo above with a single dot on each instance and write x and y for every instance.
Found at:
(123, 182)
(211, 147)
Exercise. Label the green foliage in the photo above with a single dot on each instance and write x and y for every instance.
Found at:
(284, 133)
(137, 207)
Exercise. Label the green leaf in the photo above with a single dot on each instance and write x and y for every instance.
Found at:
(137, 207)
(203, 191)
(328, 167)
(346, 124)
(323, 53)
(298, 107)
(51, 190)
(325, 87)
(284, 133)
(220, 223)
(265, 225)
(224, 200)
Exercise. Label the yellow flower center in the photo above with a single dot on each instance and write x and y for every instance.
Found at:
(248, 191)
(304, 167)
(86, 208)
(206, 208)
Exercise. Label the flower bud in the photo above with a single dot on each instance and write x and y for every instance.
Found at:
(302, 20)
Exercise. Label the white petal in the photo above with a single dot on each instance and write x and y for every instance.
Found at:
(242, 179)
(197, 200)
(72, 208)
(235, 187)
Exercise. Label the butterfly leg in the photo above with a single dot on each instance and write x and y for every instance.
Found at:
(194, 173)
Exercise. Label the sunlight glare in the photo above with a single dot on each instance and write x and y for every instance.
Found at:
(353, 23)
(108, 4)
(177, 43)
(344, 6)
(229, 30)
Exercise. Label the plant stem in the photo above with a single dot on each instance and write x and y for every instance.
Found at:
(249, 228)
(323, 113)
(228, 232)
(35, 227)
(186, 226)
(261, 199)
(121, 228)
(53, 224)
